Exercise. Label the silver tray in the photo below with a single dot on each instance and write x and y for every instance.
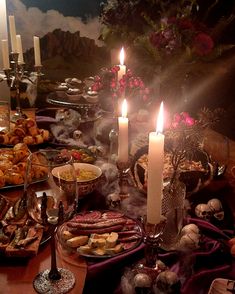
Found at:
(89, 111)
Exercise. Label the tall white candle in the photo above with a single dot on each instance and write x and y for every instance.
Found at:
(5, 54)
(123, 134)
(12, 33)
(19, 49)
(3, 25)
(37, 53)
(122, 70)
(155, 171)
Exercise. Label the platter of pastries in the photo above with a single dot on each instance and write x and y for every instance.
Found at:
(19, 235)
(13, 162)
(97, 234)
(24, 131)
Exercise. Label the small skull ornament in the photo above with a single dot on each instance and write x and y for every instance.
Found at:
(190, 228)
(216, 208)
(190, 241)
(203, 211)
(142, 280)
(114, 200)
(77, 135)
(167, 282)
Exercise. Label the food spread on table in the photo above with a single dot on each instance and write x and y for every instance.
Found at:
(13, 163)
(140, 167)
(19, 235)
(79, 154)
(100, 234)
(24, 131)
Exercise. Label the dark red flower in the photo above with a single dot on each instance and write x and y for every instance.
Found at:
(203, 44)
(185, 24)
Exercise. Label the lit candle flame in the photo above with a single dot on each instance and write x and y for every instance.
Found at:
(159, 128)
(124, 108)
(122, 56)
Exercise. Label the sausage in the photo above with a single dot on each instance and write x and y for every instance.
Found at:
(88, 215)
(112, 215)
(99, 225)
(129, 238)
(127, 233)
(110, 229)
(73, 223)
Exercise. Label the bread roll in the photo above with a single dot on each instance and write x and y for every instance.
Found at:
(29, 123)
(4, 139)
(33, 131)
(38, 139)
(20, 132)
(28, 140)
(14, 140)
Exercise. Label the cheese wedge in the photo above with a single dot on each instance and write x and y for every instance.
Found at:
(84, 249)
(67, 235)
(99, 251)
(77, 241)
(111, 240)
(111, 251)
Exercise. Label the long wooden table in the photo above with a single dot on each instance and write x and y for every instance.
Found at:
(17, 276)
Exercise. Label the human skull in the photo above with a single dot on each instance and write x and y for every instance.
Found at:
(167, 282)
(77, 135)
(203, 211)
(142, 280)
(114, 200)
(190, 228)
(216, 208)
(189, 241)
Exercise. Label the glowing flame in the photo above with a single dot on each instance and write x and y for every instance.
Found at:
(122, 55)
(159, 128)
(124, 108)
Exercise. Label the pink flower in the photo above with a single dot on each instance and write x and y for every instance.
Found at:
(175, 124)
(189, 121)
(203, 44)
(177, 118)
(184, 115)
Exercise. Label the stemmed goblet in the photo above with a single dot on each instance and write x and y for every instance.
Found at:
(51, 191)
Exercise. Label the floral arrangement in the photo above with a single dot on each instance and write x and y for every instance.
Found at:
(162, 33)
(184, 134)
(129, 86)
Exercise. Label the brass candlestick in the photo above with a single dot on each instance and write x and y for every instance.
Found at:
(152, 239)
(123, 169)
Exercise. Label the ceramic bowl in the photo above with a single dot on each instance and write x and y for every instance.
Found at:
(86, 185)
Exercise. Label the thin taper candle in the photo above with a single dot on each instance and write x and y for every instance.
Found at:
(5, 54)
(123, 153)
(19, 49)
(122, 70)
(37, 53)
(155, 171)
(12, 33)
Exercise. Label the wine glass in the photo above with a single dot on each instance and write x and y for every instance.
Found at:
(51, 191)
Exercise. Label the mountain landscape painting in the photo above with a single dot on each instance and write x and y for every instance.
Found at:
(69, 35)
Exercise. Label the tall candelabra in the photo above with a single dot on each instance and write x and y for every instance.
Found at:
(14, 76)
